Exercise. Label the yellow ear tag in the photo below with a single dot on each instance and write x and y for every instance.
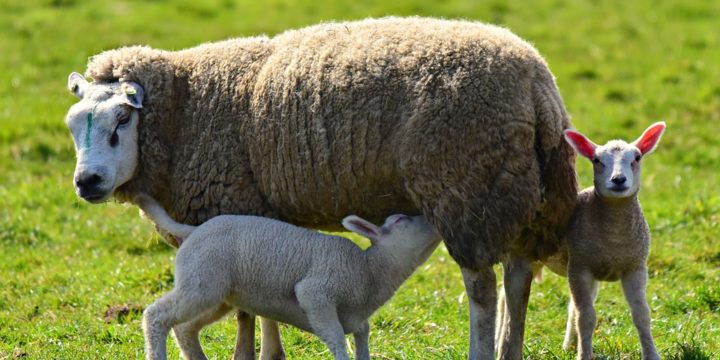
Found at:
(129, 90)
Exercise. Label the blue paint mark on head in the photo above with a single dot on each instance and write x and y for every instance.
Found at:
(90, 116)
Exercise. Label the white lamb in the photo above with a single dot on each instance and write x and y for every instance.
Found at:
(320, 283)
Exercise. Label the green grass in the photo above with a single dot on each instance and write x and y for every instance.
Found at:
(620, 66)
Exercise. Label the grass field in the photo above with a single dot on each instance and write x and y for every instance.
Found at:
(620, 66)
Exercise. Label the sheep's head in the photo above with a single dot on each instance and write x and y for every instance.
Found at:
(616, 164)
(407, 237)
(103, 125)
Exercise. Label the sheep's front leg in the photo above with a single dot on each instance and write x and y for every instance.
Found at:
(517, 281)
(582, 284)
(634, 285)
(482, 298)
(270, 343)
(362, 335)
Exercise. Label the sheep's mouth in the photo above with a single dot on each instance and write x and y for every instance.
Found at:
(619, 189)
(94, 197)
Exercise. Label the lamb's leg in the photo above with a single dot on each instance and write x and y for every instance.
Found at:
(323, 318)
(156, 328)
(187, 333)
(634, 285)
(517, 281)
(582, 284)
(245, 341)
(362, 349)
(571, 334)
(166, 312)
(326, 325)
(482, 299)
(270, 344)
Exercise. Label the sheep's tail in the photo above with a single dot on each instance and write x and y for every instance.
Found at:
(556, 160)
(157, 214)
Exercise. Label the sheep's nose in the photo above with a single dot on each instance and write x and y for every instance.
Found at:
(618, 179)
(88, 181)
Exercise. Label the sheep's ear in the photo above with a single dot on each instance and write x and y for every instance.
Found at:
(580, 143)
(134, 93)
(648, 141)
(77, 84)
(362, 227)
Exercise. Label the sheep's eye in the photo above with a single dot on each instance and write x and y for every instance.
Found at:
(596, 161)
(637, 158)
(124, 119)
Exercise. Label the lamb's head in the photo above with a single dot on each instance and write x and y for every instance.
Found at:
(103, 125)
(616, 164)
(407, 237)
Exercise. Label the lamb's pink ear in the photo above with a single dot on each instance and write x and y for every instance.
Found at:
(580, 143)
(648, 141)
(362, 227)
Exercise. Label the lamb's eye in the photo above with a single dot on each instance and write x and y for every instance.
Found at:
(401, 219)
(596, 161)
(637, 158)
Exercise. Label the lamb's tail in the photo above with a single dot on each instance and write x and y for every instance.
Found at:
(157, 214)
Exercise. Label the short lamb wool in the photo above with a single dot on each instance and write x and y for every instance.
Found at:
(320, 283)
(608, 238)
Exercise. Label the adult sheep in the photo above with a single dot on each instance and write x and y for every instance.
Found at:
(456, 120)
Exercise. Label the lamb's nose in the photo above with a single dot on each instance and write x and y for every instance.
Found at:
(88, 181)
(618, 179)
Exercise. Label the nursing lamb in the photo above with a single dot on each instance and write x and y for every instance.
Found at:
(320, 283)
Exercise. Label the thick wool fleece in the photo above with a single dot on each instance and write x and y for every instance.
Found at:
(457, 120)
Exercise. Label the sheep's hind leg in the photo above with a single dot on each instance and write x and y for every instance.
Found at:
(187, 333)
(634, 286)
(517, 275)
(482, 299)
(501, 317)
(270, 344)
(245, 340)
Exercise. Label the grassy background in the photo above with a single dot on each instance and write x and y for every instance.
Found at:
(620, 66)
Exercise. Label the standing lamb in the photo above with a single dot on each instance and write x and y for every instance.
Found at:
(320, 283)
(608, 238)
(455, 120)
